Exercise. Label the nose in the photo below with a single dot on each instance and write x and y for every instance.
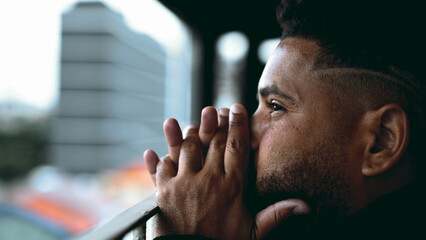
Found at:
(255, 130)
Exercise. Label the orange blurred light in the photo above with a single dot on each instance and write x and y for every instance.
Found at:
(71, 219)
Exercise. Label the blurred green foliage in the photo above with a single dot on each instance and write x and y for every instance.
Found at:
(22, 146)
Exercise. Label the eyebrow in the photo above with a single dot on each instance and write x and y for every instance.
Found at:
(274, 90)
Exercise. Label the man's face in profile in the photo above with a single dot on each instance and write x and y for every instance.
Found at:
(301, 146)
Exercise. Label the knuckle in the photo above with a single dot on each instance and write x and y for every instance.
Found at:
(165, 158)
(159, 167)
(217, 144)
(235, 122)
(191, 141)
(278, 215)
(191, 130)
(190, 144)
(236, 145)
(168, 161)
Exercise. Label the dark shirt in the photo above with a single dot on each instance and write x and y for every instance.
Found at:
(399, 215)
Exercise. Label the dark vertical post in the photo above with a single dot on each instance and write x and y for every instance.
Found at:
(209, 50)
(254, 70)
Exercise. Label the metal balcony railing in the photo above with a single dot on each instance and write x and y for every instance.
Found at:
(132, 220)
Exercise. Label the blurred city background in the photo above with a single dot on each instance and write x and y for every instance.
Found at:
(86, 85)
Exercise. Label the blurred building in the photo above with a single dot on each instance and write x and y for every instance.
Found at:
(112, 92)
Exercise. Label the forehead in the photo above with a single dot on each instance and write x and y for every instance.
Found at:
(290, 64)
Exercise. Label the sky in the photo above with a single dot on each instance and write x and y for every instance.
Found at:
(30, 35)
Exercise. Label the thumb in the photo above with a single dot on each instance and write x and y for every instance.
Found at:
(270, 217)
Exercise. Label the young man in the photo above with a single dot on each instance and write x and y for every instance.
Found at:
(336, 138)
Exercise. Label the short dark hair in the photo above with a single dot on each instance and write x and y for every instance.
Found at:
(376, 36)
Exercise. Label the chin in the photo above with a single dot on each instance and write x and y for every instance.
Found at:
(269, 191)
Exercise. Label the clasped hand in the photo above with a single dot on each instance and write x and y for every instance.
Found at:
(201, 185)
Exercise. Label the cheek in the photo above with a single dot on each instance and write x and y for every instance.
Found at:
(275, 144)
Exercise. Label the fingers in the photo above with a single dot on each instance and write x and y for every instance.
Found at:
(151, 160)
(223, 117)
(209, 124)
(165, 170)
(214, 159)
(237, 143)
(191, 157)
(174, 138)
(272, 216)
(188, 128)
(213, 132)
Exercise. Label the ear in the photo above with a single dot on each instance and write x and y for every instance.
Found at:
(388, 129)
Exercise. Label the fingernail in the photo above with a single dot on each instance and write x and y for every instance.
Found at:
(301, 210)
(205, 109)
(145, 153)
(224, 112)
(236, 109)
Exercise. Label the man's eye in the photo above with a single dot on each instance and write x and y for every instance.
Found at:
(275, 107)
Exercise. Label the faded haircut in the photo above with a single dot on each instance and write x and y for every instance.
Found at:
(380, 45)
